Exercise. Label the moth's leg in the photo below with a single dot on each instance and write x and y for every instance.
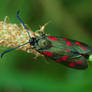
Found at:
(46, 61)
(29, 49)
(32, 50)
(37, 55)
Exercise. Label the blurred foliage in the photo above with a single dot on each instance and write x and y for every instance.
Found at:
(20, 72)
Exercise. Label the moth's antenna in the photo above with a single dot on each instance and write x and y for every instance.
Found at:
(6, 51)
(17, 15)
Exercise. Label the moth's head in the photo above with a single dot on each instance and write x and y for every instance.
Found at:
(32, 41)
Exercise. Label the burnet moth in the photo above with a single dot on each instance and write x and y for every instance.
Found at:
(71, 53)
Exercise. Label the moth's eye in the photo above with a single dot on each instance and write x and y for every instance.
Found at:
(44, 42)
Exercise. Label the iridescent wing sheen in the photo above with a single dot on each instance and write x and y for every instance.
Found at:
(71, 53)
(69, 59)
(72, 45)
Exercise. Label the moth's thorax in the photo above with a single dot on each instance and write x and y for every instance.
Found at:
(43, 44)
(32, 41)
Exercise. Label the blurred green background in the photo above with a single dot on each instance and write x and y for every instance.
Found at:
(20, 72)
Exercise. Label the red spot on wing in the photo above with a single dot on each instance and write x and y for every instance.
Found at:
(68, 43)
(47, 53)
(52, 38)
(64, 58)
(66, 50)
(58, 60)
(72, 64)
(79, 62)
(64, 38)
(78, 43)
(83, 48)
